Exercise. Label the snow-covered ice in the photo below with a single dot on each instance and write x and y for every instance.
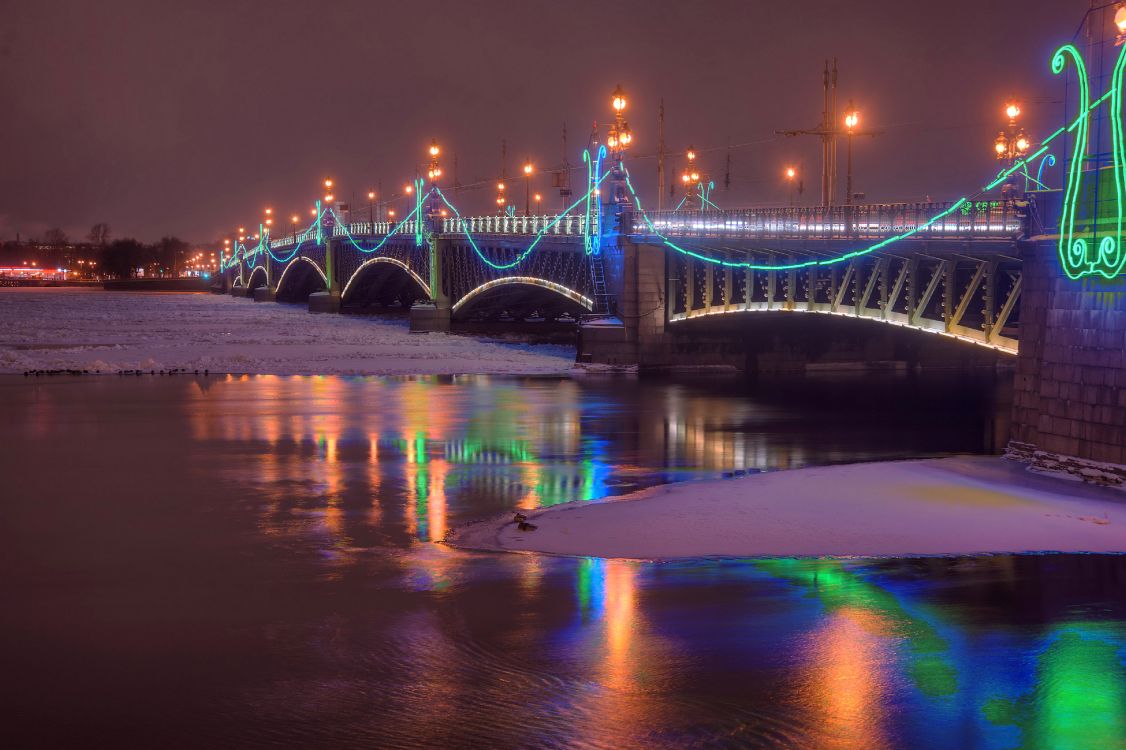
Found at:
(949, 506)
(69, 328)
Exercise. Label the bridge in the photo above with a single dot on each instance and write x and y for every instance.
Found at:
(953, 269)
(1012, 267)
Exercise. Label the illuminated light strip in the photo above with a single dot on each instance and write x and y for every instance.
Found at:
(1050, 160)
(386, 237)
(1079, 121)
(570, 294)
(1075, 252)
(791, 266)
(1007, 349)
(297, 247)
(1067, 247)
(251, 275)
(539, 235)
(418, 210)
(592, 244)
(292, 263)
(385, 259)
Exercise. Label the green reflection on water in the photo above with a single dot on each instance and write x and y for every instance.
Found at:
(1078, 701)
(930, 668)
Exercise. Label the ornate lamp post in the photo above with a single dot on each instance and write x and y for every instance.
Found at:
(619, 139)
(690, 178)
(1011, 144)
(851, 120)
(434, 170)
(529, 169)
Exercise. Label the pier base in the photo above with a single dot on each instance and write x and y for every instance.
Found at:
(324, 302)
(265, 294)
(429, 318)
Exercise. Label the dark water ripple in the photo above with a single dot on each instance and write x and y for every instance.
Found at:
(251, 563)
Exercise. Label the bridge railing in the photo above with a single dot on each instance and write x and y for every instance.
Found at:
(373, 229)
(565, 224)
(985, 219)
(288, 240)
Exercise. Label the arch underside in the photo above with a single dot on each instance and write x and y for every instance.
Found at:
(384, 282)
(300, 278)
(965, 334)
(521, 298)
(973, 300)
(256, 278)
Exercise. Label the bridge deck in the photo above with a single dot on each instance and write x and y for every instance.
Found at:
(962, 220)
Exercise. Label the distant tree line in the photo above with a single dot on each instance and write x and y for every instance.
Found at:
(120, 258)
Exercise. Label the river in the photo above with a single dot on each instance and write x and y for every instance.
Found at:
(252, 561)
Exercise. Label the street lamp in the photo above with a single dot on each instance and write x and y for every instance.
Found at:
(528, 170)
(501, 200)
(328, 191)
(434, 171)
(691, 177)
(294, 220)
(851, 120)
(791, 176)
(1012, 143)
(371, 209)
(620, 136)
(539, 203)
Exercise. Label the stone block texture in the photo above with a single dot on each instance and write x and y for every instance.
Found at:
(1071, 369)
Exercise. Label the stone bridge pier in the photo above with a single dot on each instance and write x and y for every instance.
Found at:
(1069, 409)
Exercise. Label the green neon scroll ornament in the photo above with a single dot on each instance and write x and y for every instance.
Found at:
(1078, 255)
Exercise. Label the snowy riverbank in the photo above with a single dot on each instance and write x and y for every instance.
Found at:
(953, 506)
(110, 331)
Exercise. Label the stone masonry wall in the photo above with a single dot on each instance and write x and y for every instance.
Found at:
(1070, 390)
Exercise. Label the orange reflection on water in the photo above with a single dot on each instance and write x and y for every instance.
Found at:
(436, 503)
(374, 479)
(846, 683)
(620, 665)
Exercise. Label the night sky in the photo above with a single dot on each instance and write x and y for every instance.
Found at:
(190, 118)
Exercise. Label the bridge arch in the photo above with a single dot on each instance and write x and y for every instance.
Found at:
(256, 277)
(522, 295)
(300, 278)
(383, 280)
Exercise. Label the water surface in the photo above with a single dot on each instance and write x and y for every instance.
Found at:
(252, 561)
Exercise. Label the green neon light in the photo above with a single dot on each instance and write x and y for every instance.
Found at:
(538, 236)
(1111, 256)
(1073, 250)
(1078, 255)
